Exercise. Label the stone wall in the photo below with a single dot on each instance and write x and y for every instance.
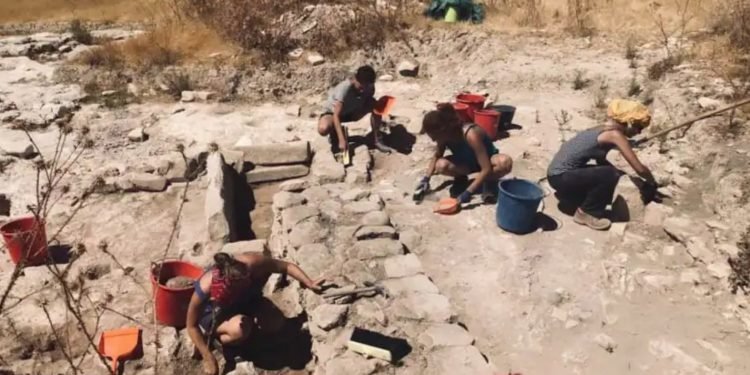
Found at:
(342, 231)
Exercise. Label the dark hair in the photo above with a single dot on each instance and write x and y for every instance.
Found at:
(443, 121)
(365, 74)
(229, 267)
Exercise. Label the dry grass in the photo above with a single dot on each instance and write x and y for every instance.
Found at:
(165, 45)
(16, 11)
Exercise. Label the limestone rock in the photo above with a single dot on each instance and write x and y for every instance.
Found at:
(357, 175)
(276, 153)
(679, 228)
(205, 95)
(385, 78)
(219, 199)
(295, 186)
(355, 195)
(617, 231)
(410, 284)
(316, 194)
(295, 215)
(720, 270)
(690, 276)
(351, 364)
(18, 149)
(327, 170)
(379, 248)
(269, 174)
(241, 247)
(307, 232)
(362, 158)
(138, 135)
(605, 342)
(699, 249)
(656, 213)
(411, 239)
(362, 207)
(314, 259)
(147, 182)
(329, 316)
(371, 311)
(283, 200)
(315, 59)
(357, 273)
(4, 205)
(457, 360)
(423, 307)
(444, 335)
(187, 96)
(330, 209)
(628, 204)
(376, 218)
(244, 368)
(293, 110)
(408, 68)
(709, 103)
(402, 266)
(374, 232)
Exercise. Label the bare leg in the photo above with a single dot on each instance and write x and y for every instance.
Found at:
(501, 165)
(235, 330)
(446, 167)
(376, 122)
(325, 125)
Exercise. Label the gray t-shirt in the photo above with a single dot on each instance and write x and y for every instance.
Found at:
(353, 100)
(577, 152)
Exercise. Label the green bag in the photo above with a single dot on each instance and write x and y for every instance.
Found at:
(467, 10)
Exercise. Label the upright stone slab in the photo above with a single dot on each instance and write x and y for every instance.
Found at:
(219, 199)
(276, 153)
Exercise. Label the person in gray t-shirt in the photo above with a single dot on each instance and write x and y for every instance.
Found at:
(350, 101)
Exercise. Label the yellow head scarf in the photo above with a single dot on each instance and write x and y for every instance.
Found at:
(629, 112)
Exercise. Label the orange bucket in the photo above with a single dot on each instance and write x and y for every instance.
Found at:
(26, 240)
(488, 120)
(474, 101)
(384, 105)
(171, 304)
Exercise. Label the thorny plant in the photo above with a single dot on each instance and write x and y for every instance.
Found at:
(563, 118)
(580, 82)
(671, 41)
(49, 190)
(78, 303)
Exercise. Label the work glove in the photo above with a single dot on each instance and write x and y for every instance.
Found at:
(424, 184)
(465, 197)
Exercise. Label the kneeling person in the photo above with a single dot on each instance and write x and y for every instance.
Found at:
(350, 101)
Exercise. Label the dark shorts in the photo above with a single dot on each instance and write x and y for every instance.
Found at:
(468, 161)
(248, 308)
(357, 114)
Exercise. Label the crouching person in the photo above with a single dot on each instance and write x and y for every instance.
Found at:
(228, 303)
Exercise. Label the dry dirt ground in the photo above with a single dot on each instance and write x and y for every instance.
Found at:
(566, 300)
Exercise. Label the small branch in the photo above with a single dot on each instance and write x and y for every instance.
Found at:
(60, 343)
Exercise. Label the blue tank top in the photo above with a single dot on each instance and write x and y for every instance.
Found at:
(463, 150)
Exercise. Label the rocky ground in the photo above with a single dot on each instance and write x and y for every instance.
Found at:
(649, 296)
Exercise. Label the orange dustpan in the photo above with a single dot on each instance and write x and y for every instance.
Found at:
(447, 206)
(119, 344)
(384, 105)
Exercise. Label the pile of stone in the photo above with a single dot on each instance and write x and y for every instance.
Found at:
(342, 232)
(275, 161)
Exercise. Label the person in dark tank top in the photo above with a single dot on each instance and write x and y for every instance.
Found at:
(472, 151)
(592, 187)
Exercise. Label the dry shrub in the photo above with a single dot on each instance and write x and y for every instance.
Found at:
(658, 69)
(177, 83)
(740, 277)
(733, 20)
(80, 33)
(528, 13)
(267, 26)
(579, 17)
(106, 56)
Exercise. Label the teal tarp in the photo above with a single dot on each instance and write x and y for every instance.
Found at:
(467, 10)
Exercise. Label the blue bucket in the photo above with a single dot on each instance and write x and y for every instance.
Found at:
(517, 205)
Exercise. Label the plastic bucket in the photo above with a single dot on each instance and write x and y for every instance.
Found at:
(171, 304)
(517, 205)
(487, 119)
(463, 111)
(474, 101)
(26, 239)
(451, 15)
(506, 115)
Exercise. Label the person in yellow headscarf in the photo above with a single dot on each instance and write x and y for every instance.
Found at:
(592, 187)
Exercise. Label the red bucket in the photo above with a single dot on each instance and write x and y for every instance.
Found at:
(474, 101)
(463, 111)
(171, 304)
(488, 120)
(26, 240)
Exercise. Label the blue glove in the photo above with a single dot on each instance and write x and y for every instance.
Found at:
(465, 197)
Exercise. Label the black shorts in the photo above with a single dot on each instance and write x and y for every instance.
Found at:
(248, 307)
(357, 114)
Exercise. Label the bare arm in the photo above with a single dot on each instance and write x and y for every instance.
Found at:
(475, 141)
(337, 108)
(279, 266)
(623, 144)
(439, 152)
(195, 308)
